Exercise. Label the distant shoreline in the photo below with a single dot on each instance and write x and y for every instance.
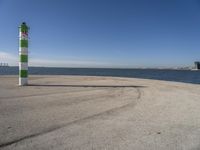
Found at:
(158, 68)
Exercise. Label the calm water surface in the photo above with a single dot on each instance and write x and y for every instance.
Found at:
(186, 76)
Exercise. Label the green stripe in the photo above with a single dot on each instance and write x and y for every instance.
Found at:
(23, 58)
(23, 73)
(24, 43)
(24, 28)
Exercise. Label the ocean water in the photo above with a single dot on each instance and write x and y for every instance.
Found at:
(185, 76)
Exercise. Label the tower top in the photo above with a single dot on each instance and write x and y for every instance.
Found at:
(24, 27)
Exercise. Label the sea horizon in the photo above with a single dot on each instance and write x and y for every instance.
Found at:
(165, 74)
(164, 68)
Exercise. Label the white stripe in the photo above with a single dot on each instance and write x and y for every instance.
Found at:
(23, 66)
(23, 81)
(23, 36)
(23, 50)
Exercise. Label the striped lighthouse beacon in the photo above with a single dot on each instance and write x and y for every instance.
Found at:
(23, 54)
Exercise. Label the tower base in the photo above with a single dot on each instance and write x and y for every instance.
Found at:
(23, 81)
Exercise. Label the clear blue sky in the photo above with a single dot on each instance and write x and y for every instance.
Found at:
(103, 33)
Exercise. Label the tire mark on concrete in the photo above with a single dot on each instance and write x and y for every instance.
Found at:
(45, 94)
(139, 93)
(107, 112)
(83, 86)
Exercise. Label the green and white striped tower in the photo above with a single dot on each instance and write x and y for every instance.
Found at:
(23, 54)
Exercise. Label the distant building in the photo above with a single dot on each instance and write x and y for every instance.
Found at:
(2, 64)
(197, 65)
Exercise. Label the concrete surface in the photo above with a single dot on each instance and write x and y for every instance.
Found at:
(103, 113)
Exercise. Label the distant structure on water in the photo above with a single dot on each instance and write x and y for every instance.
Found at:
(3, 64)
(197, 65)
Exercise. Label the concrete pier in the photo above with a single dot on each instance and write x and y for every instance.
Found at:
(81, 112)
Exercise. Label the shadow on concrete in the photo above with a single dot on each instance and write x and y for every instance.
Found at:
(93, 86)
